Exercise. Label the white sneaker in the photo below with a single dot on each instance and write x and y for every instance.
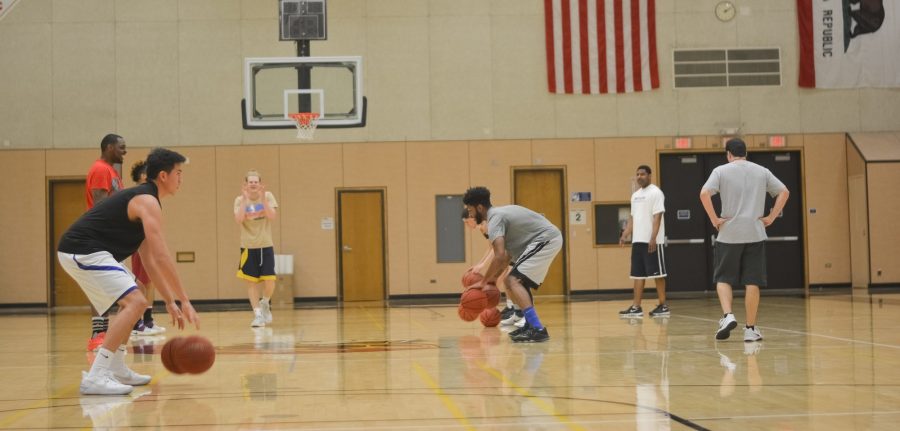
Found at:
(726, 324)
(102, 383)
(513, 318)
(127, 376)
(752, 334)
(258, 321)
(520, 323)
(266, 309)
(153, 329)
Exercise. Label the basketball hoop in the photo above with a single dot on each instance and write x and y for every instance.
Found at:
(306, 123)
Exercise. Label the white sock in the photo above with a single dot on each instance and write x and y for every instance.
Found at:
(509, 303)
(103, 360)
(119, 358)
(265, 300)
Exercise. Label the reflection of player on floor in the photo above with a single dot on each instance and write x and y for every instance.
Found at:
(254, 211)
(102, 181)
(525, 240)
(145, 325)
(511, 314)
(648, 259)
(91, 251)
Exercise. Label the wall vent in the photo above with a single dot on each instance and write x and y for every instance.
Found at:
(729, 67)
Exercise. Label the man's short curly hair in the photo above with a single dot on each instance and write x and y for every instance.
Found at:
(477, 196)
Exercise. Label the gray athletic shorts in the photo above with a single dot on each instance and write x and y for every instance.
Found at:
(740, 264)
(532, 266)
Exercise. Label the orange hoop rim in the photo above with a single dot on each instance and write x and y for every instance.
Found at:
(304, 117)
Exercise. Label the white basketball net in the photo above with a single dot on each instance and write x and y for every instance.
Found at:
(306, 123)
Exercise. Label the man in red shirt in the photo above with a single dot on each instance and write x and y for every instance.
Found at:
(102, 181)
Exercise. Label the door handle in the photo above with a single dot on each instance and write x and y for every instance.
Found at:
(347, 248)
(684, 241)
(783, 238)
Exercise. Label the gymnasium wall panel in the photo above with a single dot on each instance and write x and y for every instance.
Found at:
(23, 227)
(384, 165)
(435, 168)
(828, 228)
(310, 174)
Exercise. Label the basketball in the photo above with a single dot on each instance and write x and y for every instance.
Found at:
(492, 293)
(490, 317)
(466, 314)
(473, 300)
(167, 354)
(471, 278)
(193, 355)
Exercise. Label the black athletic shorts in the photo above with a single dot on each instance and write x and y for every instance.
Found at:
(647, 265)
(740, 264)
(257, 264)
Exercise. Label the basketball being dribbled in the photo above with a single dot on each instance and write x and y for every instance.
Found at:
(471, 303)
(492, 293)
(192, 355)
(490, 317)
(471, 278)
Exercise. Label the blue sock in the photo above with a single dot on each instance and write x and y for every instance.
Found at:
(532, 318)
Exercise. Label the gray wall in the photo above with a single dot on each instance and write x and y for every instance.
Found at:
(168, 72)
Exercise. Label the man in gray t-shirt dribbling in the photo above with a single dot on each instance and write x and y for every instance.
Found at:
(524, 240)
(740, 249)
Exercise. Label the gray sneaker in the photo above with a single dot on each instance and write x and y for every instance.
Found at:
(726, 324)
(266, 309)
(752, 334)
(258, 321)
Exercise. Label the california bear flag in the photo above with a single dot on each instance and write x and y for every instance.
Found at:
(849, 43)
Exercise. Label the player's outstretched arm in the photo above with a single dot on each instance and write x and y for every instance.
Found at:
(158, 259)
(499, 262)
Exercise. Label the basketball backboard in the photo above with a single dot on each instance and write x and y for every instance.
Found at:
(272, 91)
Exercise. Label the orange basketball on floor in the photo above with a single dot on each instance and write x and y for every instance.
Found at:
(466, 314)
(492, 293)
(193, 355)
(471, 278)
(490, 317)
(167, 354)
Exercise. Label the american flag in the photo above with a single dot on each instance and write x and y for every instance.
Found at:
(601, 46)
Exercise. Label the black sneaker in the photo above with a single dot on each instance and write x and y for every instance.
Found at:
(531, 335)
(632, 312)
(661, 310)
(519, 330)
(506, 312)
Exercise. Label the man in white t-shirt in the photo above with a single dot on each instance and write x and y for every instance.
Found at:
(648, 231)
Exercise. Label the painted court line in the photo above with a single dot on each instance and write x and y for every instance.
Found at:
(809, 334)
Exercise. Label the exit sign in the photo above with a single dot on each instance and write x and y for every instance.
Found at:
(682, 143)
(777, 141)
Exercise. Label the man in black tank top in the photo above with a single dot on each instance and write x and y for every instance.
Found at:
(91, 251)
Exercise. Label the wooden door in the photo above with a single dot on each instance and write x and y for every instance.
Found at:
(543, 191)
(361, 245)
(66, 205)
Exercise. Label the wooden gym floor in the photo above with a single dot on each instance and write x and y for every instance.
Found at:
(827, 362)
